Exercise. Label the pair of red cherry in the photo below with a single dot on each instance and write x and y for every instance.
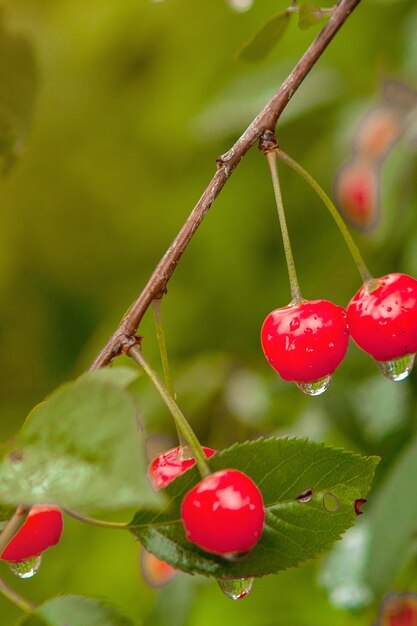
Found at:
(223, 514)
(306, 342)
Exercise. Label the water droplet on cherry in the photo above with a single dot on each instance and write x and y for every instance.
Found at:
(397, 369)
(27, 568)
(305, 496)
(331, 502)
(236, 588)
(315, 388)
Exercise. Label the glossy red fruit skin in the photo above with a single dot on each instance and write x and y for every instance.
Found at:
(168, 465)
(41, 530)
(224, 513)
(305, 342)
(383, 321)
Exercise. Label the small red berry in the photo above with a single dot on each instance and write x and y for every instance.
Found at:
(156, 573)
(306, 342)
(168, 465)
(356, 191)
(382, 318)
(224, 513)
(41, 530)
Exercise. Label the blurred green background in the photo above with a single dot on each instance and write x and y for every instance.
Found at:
(111, 117)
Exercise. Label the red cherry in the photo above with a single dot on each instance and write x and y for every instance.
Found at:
(382, 319)
(379, 130)
(305, 342)
(356, 191)
(156, 573)
(41, 530)
(224, 513)
(168, 465)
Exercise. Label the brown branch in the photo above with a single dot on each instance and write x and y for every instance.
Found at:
(266, 119)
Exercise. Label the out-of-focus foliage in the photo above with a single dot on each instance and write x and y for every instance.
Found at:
(128, 105)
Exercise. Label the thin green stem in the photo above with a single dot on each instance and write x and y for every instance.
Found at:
(296, 296)
(17, 599)
(92, 521)
(160, 335)
(354, 250)
(180, 420)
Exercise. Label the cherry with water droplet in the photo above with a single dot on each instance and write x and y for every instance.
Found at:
(306, 342)
(41, 530)
(382, 319)
(169, 465)
(224, 513)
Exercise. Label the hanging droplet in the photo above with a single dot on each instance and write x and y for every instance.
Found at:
(27, 568)
(397, 369)
(305, 496)
(236, 588)
(315, 388)
(331, 502)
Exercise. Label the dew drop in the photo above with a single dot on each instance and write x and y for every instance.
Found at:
(315, 388)
(305, 496)
(331, 502)
(236, 588)
(397, 369)
(27, 568)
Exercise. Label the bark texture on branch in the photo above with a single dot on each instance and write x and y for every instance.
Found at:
(226, 164)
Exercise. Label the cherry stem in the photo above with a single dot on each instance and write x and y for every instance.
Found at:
(353, 248)
(17, 599)
(160, 335)
(296, 296)
(180, 420)
(13, 526)
(92, 521)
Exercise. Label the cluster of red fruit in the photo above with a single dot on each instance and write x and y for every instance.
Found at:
(223, 514)
(305, 342)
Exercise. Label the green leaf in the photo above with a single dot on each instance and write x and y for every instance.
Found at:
(75, 611)
(266, 38)
(310, 15)
(294, 531)
(119, 376)
(80, 448)
(18, 86)
(393, 522)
